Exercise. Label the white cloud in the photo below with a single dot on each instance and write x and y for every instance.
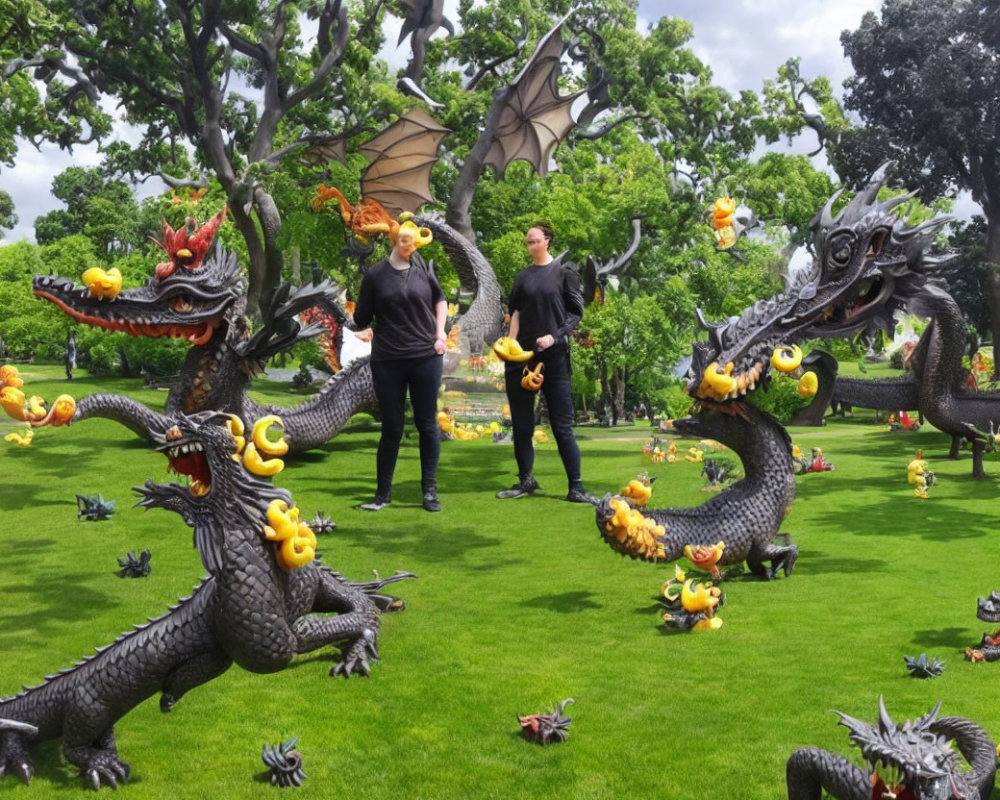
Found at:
(745, 41)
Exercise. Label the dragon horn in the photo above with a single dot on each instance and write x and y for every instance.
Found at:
(867, 196)
(898, 200)
(825, 216)
(885, 723)
(930, 716)
(714, 329)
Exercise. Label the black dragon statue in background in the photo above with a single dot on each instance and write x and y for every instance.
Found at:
(867, 262)
(482, 323)
(937, 388)
(908, 761)
(265, 599)
(200, 295)
(203, 300)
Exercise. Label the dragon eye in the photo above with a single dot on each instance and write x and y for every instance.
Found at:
(840, 250)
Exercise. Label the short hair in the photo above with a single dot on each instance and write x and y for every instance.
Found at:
(545, 229)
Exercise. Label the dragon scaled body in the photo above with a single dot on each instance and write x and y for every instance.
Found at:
(250, 609)
(913, 760)
(868, 262)
(202, 298)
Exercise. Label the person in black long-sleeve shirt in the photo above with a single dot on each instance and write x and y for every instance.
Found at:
(546, 305)
(409, 309)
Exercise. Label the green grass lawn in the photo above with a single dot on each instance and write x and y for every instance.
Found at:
(519, 604)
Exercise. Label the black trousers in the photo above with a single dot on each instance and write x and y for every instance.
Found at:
(556, 386)
(422, 376)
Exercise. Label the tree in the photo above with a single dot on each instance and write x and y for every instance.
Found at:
(43, 96)
(927, 86)
(237, 82)
(103, 210)
(8, 219)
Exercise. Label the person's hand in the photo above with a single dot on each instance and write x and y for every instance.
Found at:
(545, 342)
(440, 344)
(365, 335)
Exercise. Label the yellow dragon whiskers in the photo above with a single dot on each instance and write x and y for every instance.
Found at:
(260, 440)
(235, 427)
(296, 541)
(9, 376)
(61, 412)
(13, 401)
(254, 463)
(786, 359)
(106, 284)
(634, 534)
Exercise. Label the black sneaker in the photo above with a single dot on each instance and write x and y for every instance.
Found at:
(375, 505)
(579, 495)
(524, 487)
(431, 501)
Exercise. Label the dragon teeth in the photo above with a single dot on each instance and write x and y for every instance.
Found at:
(184, 449)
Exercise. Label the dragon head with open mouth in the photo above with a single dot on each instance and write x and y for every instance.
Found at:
(868, 262)
(909, 759)
(220, 493)
(188, 297)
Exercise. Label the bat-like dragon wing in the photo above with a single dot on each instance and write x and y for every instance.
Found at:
(535, 117)
(402, 156)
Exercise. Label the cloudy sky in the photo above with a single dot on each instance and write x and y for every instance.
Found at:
(743, 41)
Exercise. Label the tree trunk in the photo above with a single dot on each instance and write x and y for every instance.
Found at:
(457, 214)
(993, 285)
(617, 391)
(295, 265)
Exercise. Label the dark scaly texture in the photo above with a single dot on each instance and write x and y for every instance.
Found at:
(483, 321)
(868, 263)
(747, 514)
(247, 610)
(207, 306)
(913, 756)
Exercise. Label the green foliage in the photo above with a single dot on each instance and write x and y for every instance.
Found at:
(8, 219)
(671, 400)
(785, 113)
(69, 256)
(309, 354)
(781, 398)
(409, 731)
(41, 96)
(106, 354)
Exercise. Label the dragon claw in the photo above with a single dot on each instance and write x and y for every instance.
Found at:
(105, 768)
(359, 657)
(25, 770)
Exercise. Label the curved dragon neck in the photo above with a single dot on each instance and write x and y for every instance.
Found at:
(482, 323)
(315, 421)
(937, 359)
(213, 377)
(753, 507)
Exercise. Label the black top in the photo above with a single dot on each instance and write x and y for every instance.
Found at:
(402, 303)
(548, 299)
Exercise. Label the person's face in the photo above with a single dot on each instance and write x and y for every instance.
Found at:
(406, 244)
(538, 245)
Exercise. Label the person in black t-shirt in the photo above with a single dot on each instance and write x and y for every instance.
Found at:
(409, 309)
(546, 305)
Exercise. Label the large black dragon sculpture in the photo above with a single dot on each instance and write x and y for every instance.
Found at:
(937, 387)
(265, 599)
(867, 261)
(200, 295)
(913, 760)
